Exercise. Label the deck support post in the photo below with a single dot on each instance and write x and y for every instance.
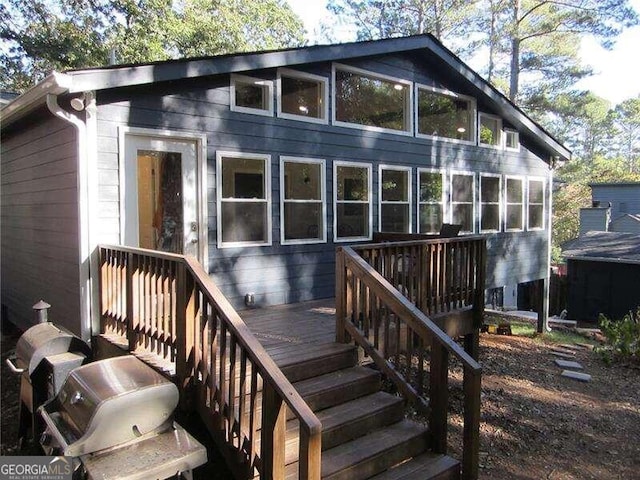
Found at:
(438, 397)
(341, 296)
(185, 329)
(471, 430)
(274, 425)
(542, 303)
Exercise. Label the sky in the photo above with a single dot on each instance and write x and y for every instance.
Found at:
(616, 72)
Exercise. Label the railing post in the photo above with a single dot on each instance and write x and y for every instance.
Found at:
(274, 425)
(130, 276)
(310, 464)
(341, 296)
(185, 325)
(471, 430)
(438, 396)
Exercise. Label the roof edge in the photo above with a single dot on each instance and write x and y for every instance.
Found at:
(602, 259)
(55, 83)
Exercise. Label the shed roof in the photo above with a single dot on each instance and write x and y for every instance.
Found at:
(434, 51)
(604, 247)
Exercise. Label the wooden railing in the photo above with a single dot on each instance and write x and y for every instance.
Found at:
(167, 307)
(438, 275)
(408, 347)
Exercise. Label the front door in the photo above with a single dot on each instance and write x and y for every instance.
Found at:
(160, 194)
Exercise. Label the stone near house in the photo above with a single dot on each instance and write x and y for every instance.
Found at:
(581, 377)
(562, 354)
(568, 364)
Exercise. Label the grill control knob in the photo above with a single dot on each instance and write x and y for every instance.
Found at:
(45, 439)
(76, 398)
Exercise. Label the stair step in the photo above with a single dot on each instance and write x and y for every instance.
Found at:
(428, 466)
(349, 420)
(337, 387)
(312, 361)
(374, 453)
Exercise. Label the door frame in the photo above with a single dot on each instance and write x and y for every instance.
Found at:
(200, 139)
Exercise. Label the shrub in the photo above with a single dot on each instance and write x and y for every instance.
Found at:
(623, 338)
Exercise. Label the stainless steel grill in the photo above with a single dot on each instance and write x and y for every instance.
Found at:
(45, 354)
(115, 417)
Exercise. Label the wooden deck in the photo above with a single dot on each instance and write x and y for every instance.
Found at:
(286, 330)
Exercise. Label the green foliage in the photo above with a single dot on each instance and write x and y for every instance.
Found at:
(623, 338)
(45, 35)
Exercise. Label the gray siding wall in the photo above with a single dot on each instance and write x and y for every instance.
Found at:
(594, 219)
(281, 274)
(624, 198)
(39, 216)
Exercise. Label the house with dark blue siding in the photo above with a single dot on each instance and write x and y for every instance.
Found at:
(260, 165)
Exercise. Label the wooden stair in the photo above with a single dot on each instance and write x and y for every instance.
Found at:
(364, 432)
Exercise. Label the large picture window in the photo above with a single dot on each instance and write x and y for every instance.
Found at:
(535, 204)
(244, 203)
(514, 204)
(444, 114)
(302, 184)
(352, 201)
(490, 194)
(489, 130)
(302, 96)
(462, 201)
(430, 201)
(251, 95)
(395, 199)
(368, 100)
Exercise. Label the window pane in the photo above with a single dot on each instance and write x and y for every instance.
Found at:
(536, 216)
(352, 184)
(302, 181)
(490, 189)
(462, 188)
(536, 191)
(352, 220)
(514, 191)
(243, 178)
(302, 97)
(489, 130)
(395, 218)
(430, 218)
(303, 221)
(511, 139)
(444, 116)
(514, 217)
(244, 222)
(395, 186)
(463, 215)
(251, 95)
(371, 101)
(490, 217)
(430, 187)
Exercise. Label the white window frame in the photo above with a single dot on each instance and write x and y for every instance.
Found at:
(499, 144)
(473, 199)
(544, 202)
(219, 200)
(367, 73)
(287, 72)
(409, 193)
(481, 203)
(443, 200)
(323, 189)
(369, 167)
(506, 202)
(255, 111)
(454, 95)
(505, 134)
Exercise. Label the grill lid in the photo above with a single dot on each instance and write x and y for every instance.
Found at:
(43, 340)
(110, 402)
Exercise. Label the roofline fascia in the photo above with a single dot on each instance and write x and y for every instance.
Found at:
(601, 259)
(56, 83)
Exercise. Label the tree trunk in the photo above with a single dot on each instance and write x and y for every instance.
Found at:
(514, 73)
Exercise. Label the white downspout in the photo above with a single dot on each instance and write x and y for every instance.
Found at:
(83, 213)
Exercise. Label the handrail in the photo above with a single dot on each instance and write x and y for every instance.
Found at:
(402, 306)
(167, 304)
(395, 334)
